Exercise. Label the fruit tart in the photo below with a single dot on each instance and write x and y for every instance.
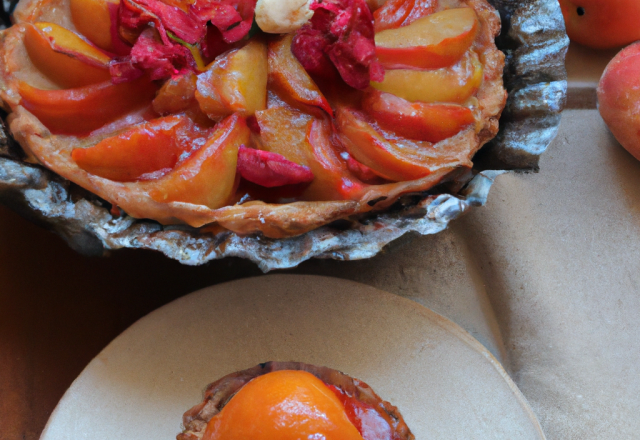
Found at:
(249, 115)
(292, 400)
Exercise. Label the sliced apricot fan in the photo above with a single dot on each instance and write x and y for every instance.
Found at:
(147, 148)
(453, 84)
(81, 110)
(431, 42)
(284, 405)
(208, 176)
(333, 179)
(64, 57)
(305, 140)
(417, 120)
(176, 95)
(287, 75)
(235, 82)
(384, 157)
(283, 131)
(93, 19)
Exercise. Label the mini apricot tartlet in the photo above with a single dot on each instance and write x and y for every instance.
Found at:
(292, 400)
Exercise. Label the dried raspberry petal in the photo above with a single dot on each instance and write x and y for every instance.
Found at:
(161, 60)
(213, 44)
(270, 169)
(119, 46)
(340, 31)
(187, 27)
(246, 9)
(123, 70)
(308, 46)
(232, 17)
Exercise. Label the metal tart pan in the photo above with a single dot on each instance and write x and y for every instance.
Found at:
(534, 41)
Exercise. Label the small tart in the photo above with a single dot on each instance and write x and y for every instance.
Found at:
(218, 394)
(287, 211)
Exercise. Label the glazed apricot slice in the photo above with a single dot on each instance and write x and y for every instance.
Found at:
(305, 140)
(147, 150)
(392, 14)
(81, 110)
(235, 82)
(95, 20)
(431, 42)
(208, 176)
(287, 76)
(417, 120)
(369, 147)
(453, 84)
(64, 57)
(283, 405)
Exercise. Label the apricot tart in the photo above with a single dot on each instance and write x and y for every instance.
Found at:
(187, 112)
(292, 400)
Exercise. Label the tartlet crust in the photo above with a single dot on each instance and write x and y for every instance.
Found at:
(272, 220)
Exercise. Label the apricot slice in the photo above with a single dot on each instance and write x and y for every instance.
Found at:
(64, 57)
(422, 8)
(208, 176)
(431, 42)
(333, 179)
(285, 405)
(235, 82)
(392, 14)
(283, 131)
(94, 20)
(417, 120)
(305, 140)
(449, 84)
(153, 147)
(287, 76)
(81, 110)
(176, 95)
(369, 147)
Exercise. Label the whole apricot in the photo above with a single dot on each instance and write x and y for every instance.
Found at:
(602, 24)
(619, 98)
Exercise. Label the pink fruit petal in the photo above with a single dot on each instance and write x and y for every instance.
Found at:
(270, 169)
(341, 32)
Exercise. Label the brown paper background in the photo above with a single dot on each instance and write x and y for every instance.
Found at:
(547, 276)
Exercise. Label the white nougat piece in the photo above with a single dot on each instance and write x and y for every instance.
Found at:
(282, 16)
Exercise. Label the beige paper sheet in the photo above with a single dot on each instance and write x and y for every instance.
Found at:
(547, 276)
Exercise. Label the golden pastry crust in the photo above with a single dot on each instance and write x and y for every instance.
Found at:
(273, 220)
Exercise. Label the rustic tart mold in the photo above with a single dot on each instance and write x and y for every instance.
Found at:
(263, 185)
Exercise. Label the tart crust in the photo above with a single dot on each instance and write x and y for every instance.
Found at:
(273, 220)
(221, 391)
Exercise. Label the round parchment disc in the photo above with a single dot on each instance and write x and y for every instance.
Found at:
(445, 383)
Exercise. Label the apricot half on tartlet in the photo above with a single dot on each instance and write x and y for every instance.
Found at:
(289, 401)
(187, 112)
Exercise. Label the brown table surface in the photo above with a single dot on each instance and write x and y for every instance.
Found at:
(545, 276)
